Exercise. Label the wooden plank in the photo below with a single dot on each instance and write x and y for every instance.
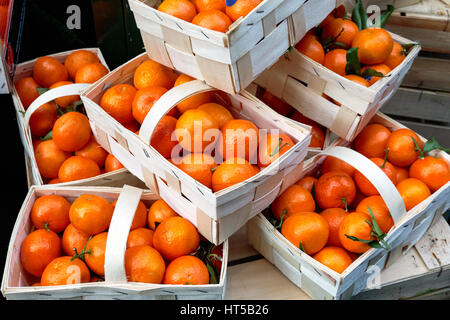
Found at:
(429, 73)
(419, 104)
(239, 246)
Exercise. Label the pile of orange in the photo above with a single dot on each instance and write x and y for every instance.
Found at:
(200, 135)
(64, 147)
(329, 43)
(336, 214)
(210, 14)
(317, 130)
(68, 241)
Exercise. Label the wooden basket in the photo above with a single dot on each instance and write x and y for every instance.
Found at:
(319, 281)
(216, 215)
(228, 61)
(15, 284)
(301, 81)
(116, 178)
(4, 88)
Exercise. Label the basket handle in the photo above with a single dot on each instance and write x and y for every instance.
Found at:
(119, 229)
(167, 102)
(377, 177)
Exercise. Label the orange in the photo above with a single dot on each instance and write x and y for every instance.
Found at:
(90, 73)
(334, 189)
(241, 8)
(307, 183)
(192, 102)
(334, 217)
(133, 125)
(365, 186)
(175, 237)
(277, 104)
(163, 139)
(432, 171)
(145, 99)
(413, 192)
(340, 30)
(336, 60)
(186, 270)
(382, 68)
(73, 240)
(335, 258)
(91, 214)
(402, 149)
(402, 173)
(374, 45)
(199, 166)
(182, 9)
(112, 164)
(158, 212)
(48, 70)
(54, 181)
(294, 199)
(312, 48)
(380, 211)
(140, 237)
(273, 146)
(95, 253)
(317, 133)
(43, 119)
(38, 249)
(27, 90)
(117, 102)
(49, 158)
(140, 215)
(355, 225)
(153, 74)
(231, 172)
(308, 231)
(218, 112)
(78, 168)
(93, 151)
(239, 139)
(71, 131)
(396, 57)
(50, 212)
(334, 164)
(213, 19)
(196, 130)
(144, 264)
(78, 59)
(204, 5)
(358, 79)
(66, 101)
(372, 141)
(63, 271)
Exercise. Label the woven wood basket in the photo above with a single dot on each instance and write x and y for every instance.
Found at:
(227, 61)
(16, 285)
(319, 281)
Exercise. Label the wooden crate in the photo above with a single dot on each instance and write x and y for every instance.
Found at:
(321, 282)
(116, 178)
(227, 61)
(301, 82)
(4, 88)
(216, 215)
(427, 22)
(15, 283)
(420, 273)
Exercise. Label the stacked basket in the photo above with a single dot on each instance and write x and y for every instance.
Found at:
(237, 63)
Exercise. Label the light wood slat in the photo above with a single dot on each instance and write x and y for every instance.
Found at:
(429, 74)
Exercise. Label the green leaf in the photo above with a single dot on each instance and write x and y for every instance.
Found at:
(301, 247)
(212, 273)
(353, 65)
(406, 47)
(369, 73)
(22, 113)
(290, 49)
(356, 17)
(386, 15)
(42, 90)
(48, 136)
(433, 144)
(373, 243)
(363, 14)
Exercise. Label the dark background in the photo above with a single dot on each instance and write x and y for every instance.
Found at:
(38, 28)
